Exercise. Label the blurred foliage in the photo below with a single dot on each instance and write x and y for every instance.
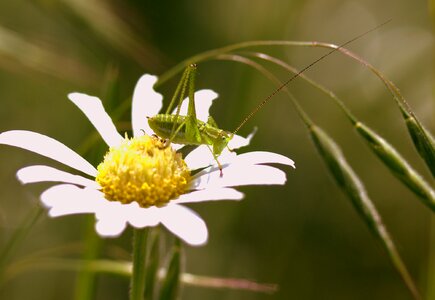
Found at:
(304, 236)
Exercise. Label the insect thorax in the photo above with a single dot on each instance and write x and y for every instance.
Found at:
(164, 125)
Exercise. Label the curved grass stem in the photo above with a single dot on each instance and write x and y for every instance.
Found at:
(18, 236)
(421, 137)
(344, 176)
(392, 159)
(124, 269)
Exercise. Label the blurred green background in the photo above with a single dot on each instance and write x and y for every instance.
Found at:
(304, 236)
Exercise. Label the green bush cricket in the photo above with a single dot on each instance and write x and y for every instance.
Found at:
(188, 130)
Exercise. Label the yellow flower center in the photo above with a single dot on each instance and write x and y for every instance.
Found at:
(144, 170)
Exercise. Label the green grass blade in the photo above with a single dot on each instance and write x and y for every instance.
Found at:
(394, 161)
(124, 269)
(423, 140)
(354, 189)
(101, 17)
(15, 49)
(171, 283)
(397, 165)
(18, 236)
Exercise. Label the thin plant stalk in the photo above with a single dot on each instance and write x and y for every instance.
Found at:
(124, 269)
(430, 265)
(18, 236)
(345, 177)
(207, 55)
(421, 137)
(137, 281)
(153, 261)
(171, 279)
(387, 153)
(86, 280)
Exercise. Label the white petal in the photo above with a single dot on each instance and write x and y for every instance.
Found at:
(39, 173)
(202, 157)
(238, 141)
(132, 213)
(146, 103)
(110, 227)
(199, 157)
(94, 111)
(67, 199)
(209, 194)
(48, 147)
(203, 101)
(237, 175)
(140, 217)
(263, 157)
(184, 223)
(111, 216)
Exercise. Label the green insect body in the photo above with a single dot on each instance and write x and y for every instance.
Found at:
(206, 134)
(188, 130)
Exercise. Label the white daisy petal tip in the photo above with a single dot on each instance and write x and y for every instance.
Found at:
(110, 229)
(81, 98)
(145, 86)
(150, 79)
(264, 157)
(207, 94)
(93, 109)
(239, 175)
(210, 194)
(74, 96)
(146, 102)
(48, 147)
(198, 242)
(238, 141)
(41, 173)
(185, 223)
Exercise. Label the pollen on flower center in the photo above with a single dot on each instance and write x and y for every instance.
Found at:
(142, 169)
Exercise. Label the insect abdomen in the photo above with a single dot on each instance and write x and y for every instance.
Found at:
(163, 126)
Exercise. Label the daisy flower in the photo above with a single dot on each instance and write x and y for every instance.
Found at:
(140, 182)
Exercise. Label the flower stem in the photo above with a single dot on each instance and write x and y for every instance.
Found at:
(137, 281)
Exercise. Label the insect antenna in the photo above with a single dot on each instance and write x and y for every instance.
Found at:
(259, 106)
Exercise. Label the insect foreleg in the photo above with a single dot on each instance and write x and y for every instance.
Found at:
(217, 161)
